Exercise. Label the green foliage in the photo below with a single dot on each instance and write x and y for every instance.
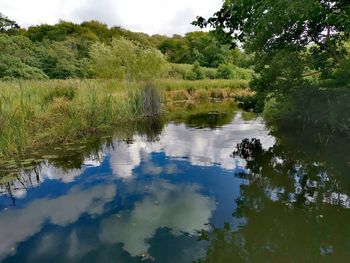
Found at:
(124, 59)
(301, 56)
(196, 72)
(14, 68)
(224, 71)
(17, 59)
(229, 71)
(34, 113)
(320, 26)
(7, 25)
(260, 26)
(92, 49)
(60, 60)
(182, 71)
(327, 109)
(202, 47)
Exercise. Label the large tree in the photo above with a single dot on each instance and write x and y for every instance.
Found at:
(299, 46)
(286, 29)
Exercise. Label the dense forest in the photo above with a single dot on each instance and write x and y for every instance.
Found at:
(93, 50)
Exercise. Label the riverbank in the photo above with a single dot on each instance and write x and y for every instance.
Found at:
(39, 113)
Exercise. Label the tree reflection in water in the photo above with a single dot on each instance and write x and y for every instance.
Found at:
(296, 207)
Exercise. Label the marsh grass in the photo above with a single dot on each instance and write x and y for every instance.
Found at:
(178, 90)
(38, 113)
(176, 84)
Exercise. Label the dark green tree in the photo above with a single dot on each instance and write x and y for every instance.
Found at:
(297, 44)
(7, 25)
(311, 32)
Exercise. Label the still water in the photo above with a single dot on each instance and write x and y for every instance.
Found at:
(202, 186)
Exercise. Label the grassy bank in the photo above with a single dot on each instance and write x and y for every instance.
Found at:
(37, 113)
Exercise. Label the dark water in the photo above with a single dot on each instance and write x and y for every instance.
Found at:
(203, 186)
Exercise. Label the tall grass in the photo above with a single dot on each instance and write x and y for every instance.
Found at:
(176, 84)
(34, 113)
(177, 90)
(37, 113)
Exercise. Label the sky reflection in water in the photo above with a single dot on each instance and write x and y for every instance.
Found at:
(141, 200)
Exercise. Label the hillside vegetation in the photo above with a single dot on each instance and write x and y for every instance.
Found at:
(93, 50)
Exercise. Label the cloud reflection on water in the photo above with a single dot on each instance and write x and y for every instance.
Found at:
(18, 225)
(202, 147)
(180, 208)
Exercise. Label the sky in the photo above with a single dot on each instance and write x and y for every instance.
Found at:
(150, 16)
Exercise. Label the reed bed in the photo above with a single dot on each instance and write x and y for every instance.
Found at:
(38, 113)
(179, 84)
(34, 113)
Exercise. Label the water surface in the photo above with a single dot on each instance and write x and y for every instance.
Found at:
(202, 186)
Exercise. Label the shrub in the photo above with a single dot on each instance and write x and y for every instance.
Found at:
(196, 72)
(224, 71)
(126, 60)
(229, 71)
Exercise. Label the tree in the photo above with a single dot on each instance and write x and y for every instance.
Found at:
(7, 25)
(298, 45)
(18, 59)
(175, 49)
(266, 27)
(60, 60)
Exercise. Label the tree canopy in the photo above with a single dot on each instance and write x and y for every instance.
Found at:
(7, 25)
(295, 43)
(69, 50)
(268, 27)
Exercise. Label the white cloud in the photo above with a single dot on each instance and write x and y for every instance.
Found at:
(180, 208)
(151, 16)
(19, 224)
(202, 147)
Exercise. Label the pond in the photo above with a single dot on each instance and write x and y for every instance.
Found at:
(207, 183)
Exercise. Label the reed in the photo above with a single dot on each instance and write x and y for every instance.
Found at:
(176, 84)
(38, 113)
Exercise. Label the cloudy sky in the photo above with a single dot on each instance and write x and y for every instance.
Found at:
(149, 16)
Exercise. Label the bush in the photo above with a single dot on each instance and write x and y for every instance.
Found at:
(209, 73)
(124, 59)
(185, 71)
(196, 72)
(229, 71)
(224, 71)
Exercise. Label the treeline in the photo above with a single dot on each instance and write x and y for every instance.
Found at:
(93, 50)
